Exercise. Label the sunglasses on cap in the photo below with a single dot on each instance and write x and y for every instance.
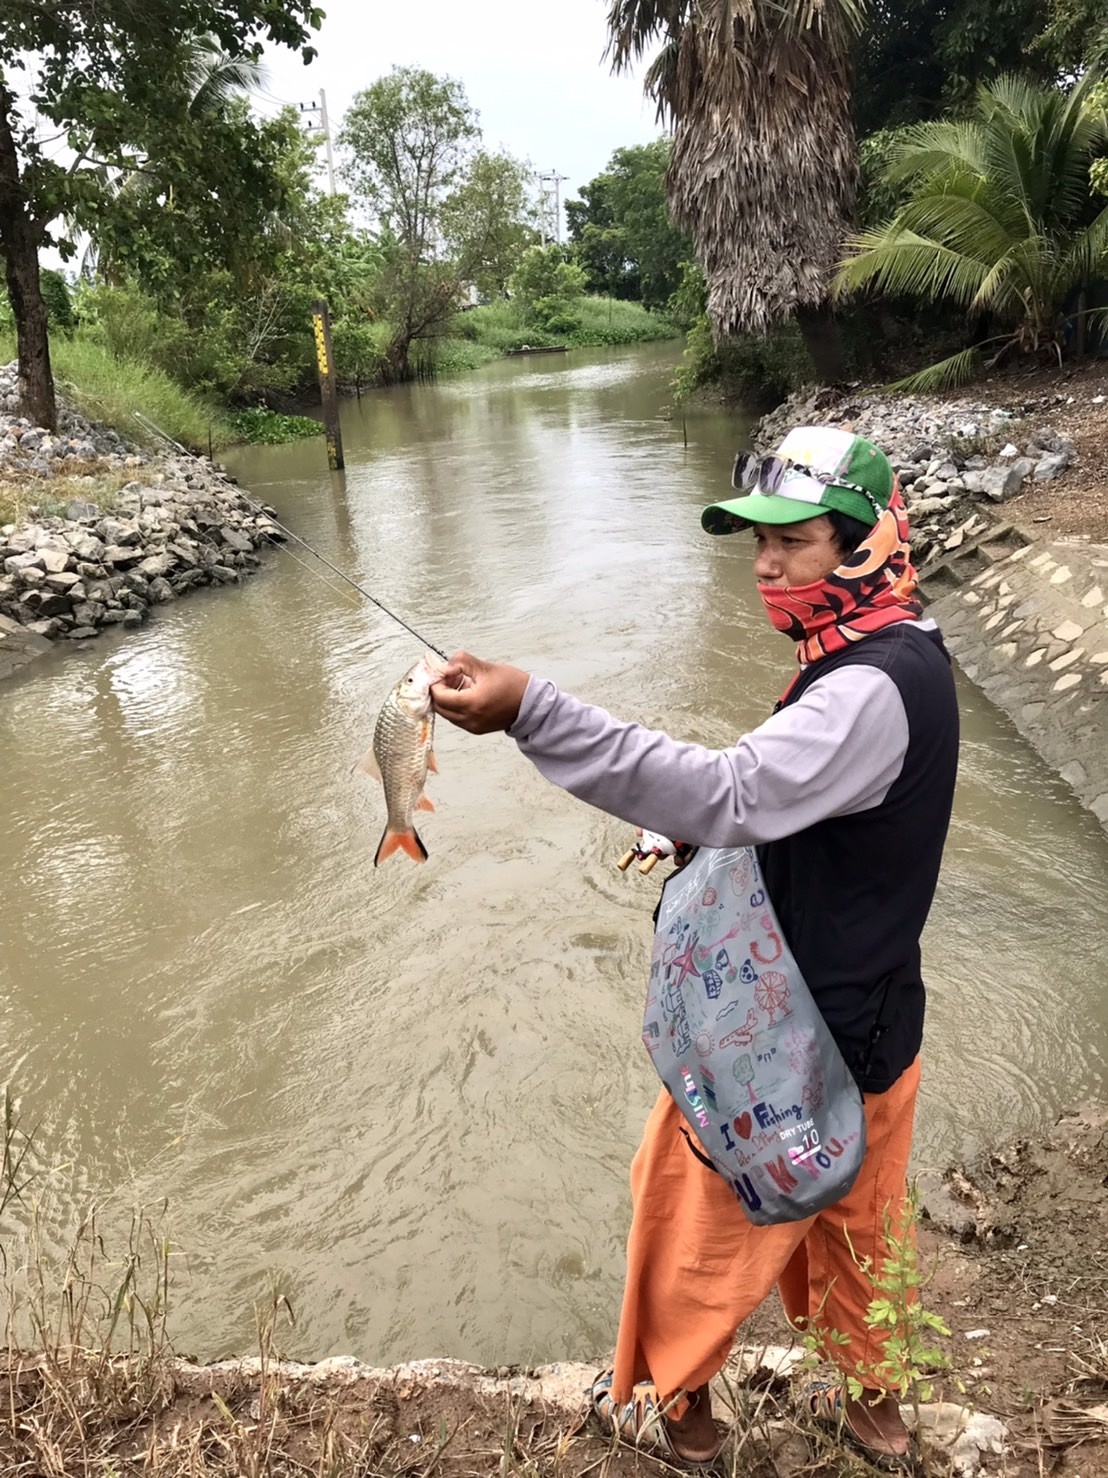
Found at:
(768, 473)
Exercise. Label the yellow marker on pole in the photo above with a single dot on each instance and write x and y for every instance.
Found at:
(325, 362)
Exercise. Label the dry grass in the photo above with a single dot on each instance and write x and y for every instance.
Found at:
(20, 495)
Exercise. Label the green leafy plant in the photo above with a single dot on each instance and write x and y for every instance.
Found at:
(270, 428)
(910, 1333)
(997, 223)
(910, 1330)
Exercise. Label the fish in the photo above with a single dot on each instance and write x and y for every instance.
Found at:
(401, 757)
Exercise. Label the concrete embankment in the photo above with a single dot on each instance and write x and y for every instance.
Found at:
(1028, 623)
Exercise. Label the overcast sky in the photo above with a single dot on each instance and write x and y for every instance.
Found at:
(536, 76)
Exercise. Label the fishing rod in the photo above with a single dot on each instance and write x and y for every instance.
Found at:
(289, 533)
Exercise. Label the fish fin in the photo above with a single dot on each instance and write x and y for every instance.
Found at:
(432, 763)
(400, 841)
(368, 765)
(425, 803)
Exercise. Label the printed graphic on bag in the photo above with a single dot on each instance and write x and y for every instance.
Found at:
(736, 1037)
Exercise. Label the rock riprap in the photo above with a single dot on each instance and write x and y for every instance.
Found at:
(955, 459)
(77, 567)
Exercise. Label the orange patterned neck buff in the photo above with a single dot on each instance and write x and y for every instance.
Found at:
(872, 588)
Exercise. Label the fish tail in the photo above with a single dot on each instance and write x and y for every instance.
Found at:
(400, 841)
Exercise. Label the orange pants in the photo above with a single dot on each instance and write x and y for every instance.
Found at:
(696, 1267)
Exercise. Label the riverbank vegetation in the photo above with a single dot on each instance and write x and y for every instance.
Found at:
(198, 234)
(935, 210)
(929, 192)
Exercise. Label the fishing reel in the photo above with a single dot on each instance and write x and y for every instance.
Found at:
(649, 849)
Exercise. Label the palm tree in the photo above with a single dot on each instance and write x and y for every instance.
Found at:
(999, 220)
(764, 164)
(211, 78)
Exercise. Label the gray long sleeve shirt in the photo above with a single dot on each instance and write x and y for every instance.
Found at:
(834, 752)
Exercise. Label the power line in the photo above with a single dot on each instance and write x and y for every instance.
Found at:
(273, 98)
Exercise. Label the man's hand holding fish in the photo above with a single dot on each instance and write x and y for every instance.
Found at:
(480, 697)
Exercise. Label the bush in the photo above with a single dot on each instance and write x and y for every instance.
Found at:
(452, 356)
(359, 347)
(615, 321)
(755, 370)
(500, 326)
(544, 273)
(59, 303)
(128, 325)
(592, 321)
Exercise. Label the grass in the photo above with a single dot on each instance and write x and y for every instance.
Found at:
(504, 325)
(110, 390)
(612, 321)
(92, 485)
(453, 356)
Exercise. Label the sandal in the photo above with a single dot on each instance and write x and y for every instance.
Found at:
(640, 1422)
(823, 1401)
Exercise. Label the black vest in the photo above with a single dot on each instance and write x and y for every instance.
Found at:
(853, 892)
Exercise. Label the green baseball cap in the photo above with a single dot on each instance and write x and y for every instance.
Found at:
(848, 475)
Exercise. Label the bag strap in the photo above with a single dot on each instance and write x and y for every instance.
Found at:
(704, 1160)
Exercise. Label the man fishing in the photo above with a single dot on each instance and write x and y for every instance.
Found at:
(845, 791)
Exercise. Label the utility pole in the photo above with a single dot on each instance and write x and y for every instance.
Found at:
(555, 179)
(324, 123)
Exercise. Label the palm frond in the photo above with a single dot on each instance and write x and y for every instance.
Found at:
(903, 263)
(948, 374)
(966, 224)
(837, 20)
(634, 25)
(932, 148)
(1088, 254)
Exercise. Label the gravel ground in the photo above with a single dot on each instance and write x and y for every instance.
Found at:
(1074, 401)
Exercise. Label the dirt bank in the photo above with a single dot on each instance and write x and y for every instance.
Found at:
(1015, 1244)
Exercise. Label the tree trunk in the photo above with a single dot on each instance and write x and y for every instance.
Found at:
(19, 243)
(823, 341)
(397, 365)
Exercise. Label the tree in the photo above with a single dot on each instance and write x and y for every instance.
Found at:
(916, 59)
(547, 287)
(488, 222)
(998, 218)
(621, 230)
(230, 312)
(763, 167)
(92, 72)
(210, 82)
(448, 214)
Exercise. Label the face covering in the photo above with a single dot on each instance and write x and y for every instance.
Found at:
(872, 588)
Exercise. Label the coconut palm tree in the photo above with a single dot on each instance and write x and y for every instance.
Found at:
(1000, 220)
(763, 168)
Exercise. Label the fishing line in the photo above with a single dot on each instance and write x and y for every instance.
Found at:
(145, 421)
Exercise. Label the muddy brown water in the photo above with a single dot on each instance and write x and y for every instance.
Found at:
(409, 1097)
